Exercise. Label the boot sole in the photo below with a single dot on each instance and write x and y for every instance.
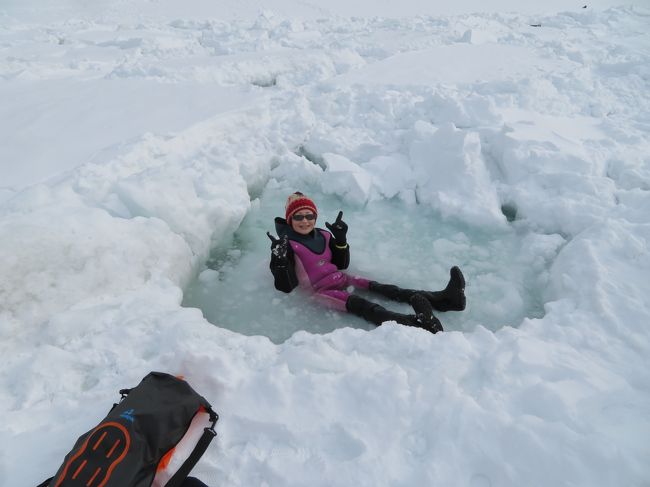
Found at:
(424, 314)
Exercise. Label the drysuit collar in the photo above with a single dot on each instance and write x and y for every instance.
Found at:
(314, 240)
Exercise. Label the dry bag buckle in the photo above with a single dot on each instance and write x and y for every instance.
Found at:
(214, 417)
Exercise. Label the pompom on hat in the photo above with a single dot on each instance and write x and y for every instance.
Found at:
(296, 202)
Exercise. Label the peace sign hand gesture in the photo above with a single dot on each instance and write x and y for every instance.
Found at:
(279, 249)
(339, 229)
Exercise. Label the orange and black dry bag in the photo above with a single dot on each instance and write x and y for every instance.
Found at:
(151, 438)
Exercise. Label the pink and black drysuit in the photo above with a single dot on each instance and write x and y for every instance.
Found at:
(315, 262)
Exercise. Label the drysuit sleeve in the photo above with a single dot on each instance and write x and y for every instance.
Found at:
(284, 272)
(340, 254)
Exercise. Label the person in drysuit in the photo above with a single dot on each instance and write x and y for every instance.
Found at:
(314, 259)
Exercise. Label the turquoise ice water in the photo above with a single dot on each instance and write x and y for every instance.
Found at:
(391, 242)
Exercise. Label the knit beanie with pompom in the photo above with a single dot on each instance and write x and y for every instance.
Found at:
(296, 202)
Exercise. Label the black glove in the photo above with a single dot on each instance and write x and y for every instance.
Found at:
(279, 249)
(339, 229)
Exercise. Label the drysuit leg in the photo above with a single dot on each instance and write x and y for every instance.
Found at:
(334, 293)
(377, 314)
(451, 298)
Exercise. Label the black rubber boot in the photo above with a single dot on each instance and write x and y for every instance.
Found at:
(424, 313)
(377, 314)
(452, 298)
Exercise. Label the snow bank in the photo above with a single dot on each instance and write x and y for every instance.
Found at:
(532, 175)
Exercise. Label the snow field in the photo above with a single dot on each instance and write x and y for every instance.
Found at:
(541, 382)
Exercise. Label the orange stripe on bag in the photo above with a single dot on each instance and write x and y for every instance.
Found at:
(81, 467)
(93, 477)
(110, 452)
(164, 461)
(99, 441)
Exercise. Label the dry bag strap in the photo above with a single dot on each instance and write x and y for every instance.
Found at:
(123, 394)
(202, 445)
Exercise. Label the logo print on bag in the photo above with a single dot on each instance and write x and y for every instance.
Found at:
(95, 461)
(128, 415)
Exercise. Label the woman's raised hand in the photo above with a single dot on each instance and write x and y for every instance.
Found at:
(339, 229)
(279, 248)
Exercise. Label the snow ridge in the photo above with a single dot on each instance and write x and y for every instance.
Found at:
(112, 201)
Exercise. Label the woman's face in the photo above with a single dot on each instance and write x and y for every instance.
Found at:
(301, 224)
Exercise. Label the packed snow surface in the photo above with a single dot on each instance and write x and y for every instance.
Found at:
(145, 147)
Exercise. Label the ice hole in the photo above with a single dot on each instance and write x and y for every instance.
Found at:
(391, 242)
(509, 210)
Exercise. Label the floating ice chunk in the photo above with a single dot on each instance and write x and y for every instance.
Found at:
(451, 174)
(346, 179)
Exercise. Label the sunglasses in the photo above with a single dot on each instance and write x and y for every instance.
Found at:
(300, 218)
